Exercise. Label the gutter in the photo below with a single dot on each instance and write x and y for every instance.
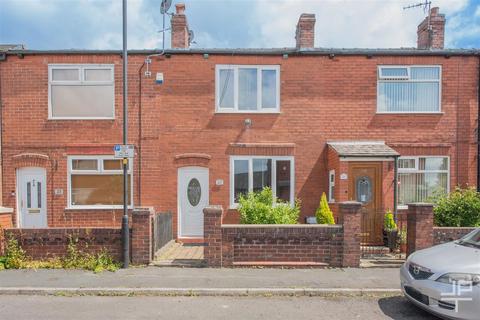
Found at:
(265, 51)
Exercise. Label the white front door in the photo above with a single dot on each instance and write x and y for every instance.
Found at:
(32, 197)
(192, 198)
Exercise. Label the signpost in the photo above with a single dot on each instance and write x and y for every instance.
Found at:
(123, 149)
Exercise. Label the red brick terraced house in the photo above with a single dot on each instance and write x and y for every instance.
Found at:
(385, 127)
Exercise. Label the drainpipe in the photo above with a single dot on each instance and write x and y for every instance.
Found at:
(395, 186)
(478, 128)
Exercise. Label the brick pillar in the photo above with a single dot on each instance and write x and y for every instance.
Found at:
(419, 227)
(350, 211)
(212, 230)
(142, 235)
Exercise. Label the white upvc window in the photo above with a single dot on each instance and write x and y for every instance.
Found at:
(253, 173)
(247, 88)
(331, 186)
(81, 91)
(420, 177)
(96, 182)
(409, 89)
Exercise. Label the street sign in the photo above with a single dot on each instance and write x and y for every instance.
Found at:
(124, 151)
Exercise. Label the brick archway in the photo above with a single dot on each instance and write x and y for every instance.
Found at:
(30, 160)
(192, 159)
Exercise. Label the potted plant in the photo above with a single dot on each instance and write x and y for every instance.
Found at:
(402, 240)
(390, 228)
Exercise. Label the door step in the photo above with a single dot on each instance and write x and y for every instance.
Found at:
(180, 263)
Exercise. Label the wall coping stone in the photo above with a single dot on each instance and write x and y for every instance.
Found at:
(420, 204)
(283, 226)
(5, 210)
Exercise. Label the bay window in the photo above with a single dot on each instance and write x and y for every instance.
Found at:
(253, 173)
(409, 89)
(247, 88)
(97, 182)
(421, 177)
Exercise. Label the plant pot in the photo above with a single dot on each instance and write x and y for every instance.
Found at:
(392, 237)
(385, 238)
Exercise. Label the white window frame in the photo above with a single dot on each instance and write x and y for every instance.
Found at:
(81, 69)
(235, 68)
(381, 79)
(99, 171)
(331, 185)
(233, 204)
(416, 170)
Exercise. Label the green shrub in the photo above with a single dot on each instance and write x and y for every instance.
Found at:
(459, 208)
(259, 208)
(388, 222)
(324, 214)
(15, 256)
(77, 259)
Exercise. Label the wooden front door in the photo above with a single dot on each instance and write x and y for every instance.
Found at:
(365, 186)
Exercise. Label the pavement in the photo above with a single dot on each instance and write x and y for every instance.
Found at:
(212, 308)
(203, 282)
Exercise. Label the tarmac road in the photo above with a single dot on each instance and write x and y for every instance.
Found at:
(211, 308)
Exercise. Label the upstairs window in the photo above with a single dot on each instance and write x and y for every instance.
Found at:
(409, 89)
(247, 89)
(81, 91)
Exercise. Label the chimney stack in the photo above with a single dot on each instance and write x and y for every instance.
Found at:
(305, 34)
(180, 36)
(431, 36)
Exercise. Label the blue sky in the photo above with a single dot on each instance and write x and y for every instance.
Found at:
(96, 24)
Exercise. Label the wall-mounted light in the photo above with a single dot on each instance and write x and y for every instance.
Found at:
(248, 122)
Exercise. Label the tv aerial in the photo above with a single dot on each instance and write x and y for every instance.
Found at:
(165, 5)
(425, 5)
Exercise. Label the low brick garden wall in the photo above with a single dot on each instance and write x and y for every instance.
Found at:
(283, 245)
(448, 234)
(52, 242)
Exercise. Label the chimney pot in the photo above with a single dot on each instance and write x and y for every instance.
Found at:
(433, 36)
(180, 8)
(305, 34)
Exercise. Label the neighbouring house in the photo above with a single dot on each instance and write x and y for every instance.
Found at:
(210, 124)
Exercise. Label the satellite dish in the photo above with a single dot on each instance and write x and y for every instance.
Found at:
(191, 35)
(165, 5)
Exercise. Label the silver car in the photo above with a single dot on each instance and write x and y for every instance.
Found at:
(445, 279)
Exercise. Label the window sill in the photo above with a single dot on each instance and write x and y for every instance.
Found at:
(247, 112)
(402, 207)
(412, 112)
(76, 208)
(80, 119)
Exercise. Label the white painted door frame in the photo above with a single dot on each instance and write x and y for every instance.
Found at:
(192, 207)
(31, 190)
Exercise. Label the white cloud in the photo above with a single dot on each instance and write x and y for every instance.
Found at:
(344, 23)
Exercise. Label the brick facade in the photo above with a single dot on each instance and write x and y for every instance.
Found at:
(283, 245)
(324, 97)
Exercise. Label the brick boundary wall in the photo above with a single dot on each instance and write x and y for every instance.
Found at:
(423, 234)
(141, 235)
(282, 245)
(52, 242)
(448, 234)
